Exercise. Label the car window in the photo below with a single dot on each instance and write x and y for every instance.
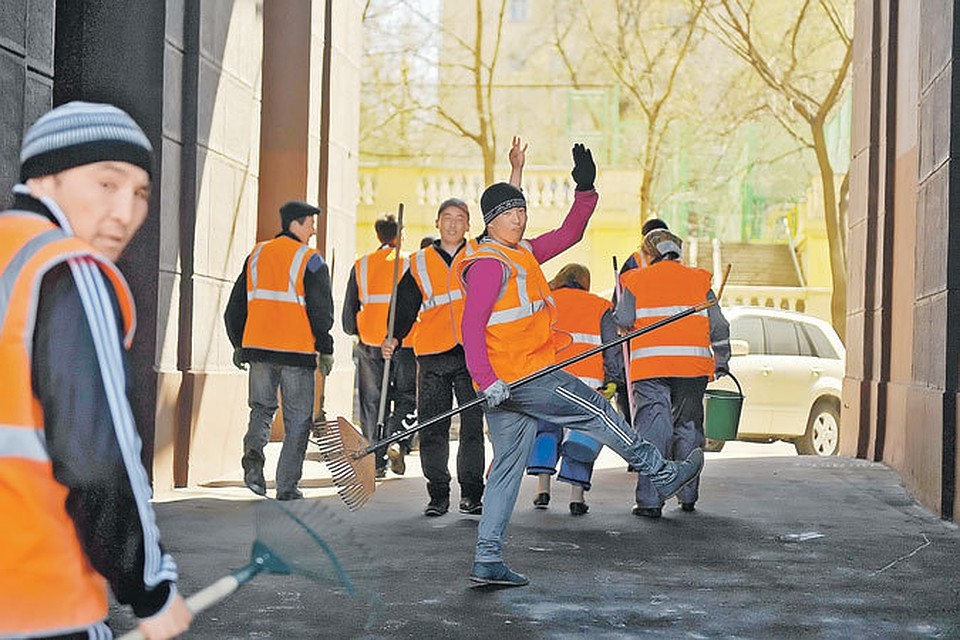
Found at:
(806, 345)
(824, 348)
(748, 328)
(780, 337)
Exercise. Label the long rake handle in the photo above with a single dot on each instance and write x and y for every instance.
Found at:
(202, 600)
(391, 319)
(539, 374)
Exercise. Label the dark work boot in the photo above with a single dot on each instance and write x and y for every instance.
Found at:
(252, 462)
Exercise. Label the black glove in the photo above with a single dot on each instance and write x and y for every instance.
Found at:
(720, 371)
(584, 170)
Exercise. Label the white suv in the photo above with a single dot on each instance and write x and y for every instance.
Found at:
(791, 368)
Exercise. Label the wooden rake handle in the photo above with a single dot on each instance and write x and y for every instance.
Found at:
(706, 304)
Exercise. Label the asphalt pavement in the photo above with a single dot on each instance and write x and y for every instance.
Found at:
(780, 546)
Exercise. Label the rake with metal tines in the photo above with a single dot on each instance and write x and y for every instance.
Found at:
(347, 453)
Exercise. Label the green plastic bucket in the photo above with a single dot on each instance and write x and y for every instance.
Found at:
(722, 412)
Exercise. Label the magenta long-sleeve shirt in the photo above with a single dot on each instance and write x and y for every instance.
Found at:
(485, 276)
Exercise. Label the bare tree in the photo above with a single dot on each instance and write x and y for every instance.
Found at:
(809, 94)
(644, 48)
(479, 64)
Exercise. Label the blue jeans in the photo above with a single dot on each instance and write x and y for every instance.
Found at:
(402, 393)
(563, 400)
(670, 415)
(297, 388)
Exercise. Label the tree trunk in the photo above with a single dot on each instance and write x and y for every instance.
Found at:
(489, 161)
(838, 267)
(649, 163)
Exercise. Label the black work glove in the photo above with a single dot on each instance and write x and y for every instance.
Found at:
(584, 170)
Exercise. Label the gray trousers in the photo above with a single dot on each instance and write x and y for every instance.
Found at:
(670, 415)
(297, 388)
(563, 400)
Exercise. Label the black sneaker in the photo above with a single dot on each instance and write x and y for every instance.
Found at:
(646, 512)
(471, 506)
(436, 507)
(578, 508)
(290, 494)
(252, 462)
(496, 573)
(541, 501)
(688, 506)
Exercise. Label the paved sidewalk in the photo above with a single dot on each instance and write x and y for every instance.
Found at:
(779, 547)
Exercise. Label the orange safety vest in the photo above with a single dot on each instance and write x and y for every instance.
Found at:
(680, 349)
(579, 314)
(47, 585)
(640, 259)
(276, 302)
(374, 273)
(438, 324)
(520, 329)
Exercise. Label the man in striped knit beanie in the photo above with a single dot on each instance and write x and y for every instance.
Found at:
(70, 470)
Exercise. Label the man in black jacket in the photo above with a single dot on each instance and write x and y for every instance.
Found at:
(278, 319)
(74, 496)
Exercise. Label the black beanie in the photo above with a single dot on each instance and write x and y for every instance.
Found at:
(294, 210)
(498, 198)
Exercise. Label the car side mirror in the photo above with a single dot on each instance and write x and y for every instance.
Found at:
(739, 348)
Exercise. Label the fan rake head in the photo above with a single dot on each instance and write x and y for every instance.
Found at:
(310, 540)
(344, 450)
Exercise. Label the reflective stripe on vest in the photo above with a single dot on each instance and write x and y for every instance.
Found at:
(681, 348)
(579, 317)
(44, 546)
(519, 335)
(23, 442)
(441, 306)
(374, 274)
(276, 300)
(290, 295)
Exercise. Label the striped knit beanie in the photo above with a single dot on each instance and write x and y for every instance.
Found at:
(498, 198)
(79, 133)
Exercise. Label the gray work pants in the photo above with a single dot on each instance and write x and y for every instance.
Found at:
(670, 415)
(297, 388)
(563, 400)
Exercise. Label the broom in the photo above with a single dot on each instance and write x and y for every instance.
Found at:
(346, 452)
(288, 543)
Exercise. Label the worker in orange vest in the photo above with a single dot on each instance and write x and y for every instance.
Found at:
(74, 496)
(584, 321)
(429, 299)
(670, 367)
(633, 261)
(366, 307)
(507, 334)
(278, 319)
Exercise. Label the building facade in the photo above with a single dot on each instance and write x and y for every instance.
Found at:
(903, 323)
(235, 96)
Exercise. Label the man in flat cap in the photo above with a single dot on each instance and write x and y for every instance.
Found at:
(74, 495)
(278, 319)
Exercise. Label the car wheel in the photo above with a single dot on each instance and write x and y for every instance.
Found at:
(713, 446)
(822, 437)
